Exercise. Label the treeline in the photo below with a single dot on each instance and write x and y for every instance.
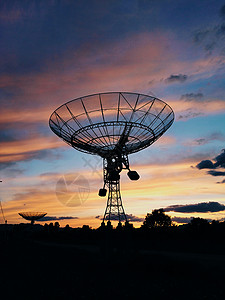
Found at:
(156, 232)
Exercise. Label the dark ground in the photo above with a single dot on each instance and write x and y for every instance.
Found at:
(85, 264)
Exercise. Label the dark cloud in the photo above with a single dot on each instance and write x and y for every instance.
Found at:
(205, 164)
(181, 220)
(176, 78)
(219, 164)
(192, 97)
(216, 173)
(220, 160)
(53, 218)
(133, 218)
(187, 220)
(197, 208)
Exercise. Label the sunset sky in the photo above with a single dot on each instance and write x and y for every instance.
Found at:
(55, 51)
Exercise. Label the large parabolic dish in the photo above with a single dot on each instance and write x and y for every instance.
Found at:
(95, 123)
(112, 125)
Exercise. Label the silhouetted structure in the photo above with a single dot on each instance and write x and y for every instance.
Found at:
(32, 216)
(3, 213)
(112, 125)
(2, 210)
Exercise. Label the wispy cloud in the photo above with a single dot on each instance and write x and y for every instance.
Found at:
(28, 149)
(223, 181)
(192, 97)
(215, 136)
(186, 110)
(189, 114)
(211, 38)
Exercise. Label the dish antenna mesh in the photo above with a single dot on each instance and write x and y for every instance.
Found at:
(112, 125)
(32, 216)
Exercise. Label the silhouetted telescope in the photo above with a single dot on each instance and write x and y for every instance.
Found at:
(112, 125)
(32, 216)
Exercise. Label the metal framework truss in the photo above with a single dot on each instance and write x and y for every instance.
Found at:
(114, 208)
(112, 125)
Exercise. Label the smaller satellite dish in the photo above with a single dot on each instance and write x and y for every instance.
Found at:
(32, 216)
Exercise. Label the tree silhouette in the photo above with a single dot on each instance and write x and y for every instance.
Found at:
(199, 224)
(157, 219)
(196, 222)
(57, 225)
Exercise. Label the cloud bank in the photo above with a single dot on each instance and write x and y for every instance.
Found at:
(203, 207)
(54, 218)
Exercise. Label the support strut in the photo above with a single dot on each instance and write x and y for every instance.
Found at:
(114, 208)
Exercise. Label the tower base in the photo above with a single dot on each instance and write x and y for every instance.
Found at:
(114, 208)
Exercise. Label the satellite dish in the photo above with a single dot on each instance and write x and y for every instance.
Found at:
(32, 216)
(112, 125)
